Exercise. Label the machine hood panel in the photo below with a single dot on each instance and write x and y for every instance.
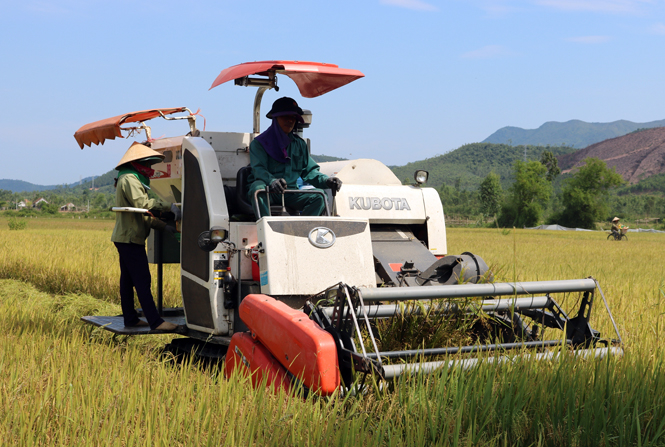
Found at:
(362, 171)
(304, 255)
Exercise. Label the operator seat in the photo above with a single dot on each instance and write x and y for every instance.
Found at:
(242, 186)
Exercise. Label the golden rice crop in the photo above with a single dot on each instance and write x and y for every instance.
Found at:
(631, 274)
(72, 256)
(63, 383)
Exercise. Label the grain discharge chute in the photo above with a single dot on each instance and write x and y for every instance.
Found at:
(309, 301)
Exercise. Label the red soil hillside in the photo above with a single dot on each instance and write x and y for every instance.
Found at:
(635, 156)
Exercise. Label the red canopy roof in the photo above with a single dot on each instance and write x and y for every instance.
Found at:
(312, 78)
(109, 128)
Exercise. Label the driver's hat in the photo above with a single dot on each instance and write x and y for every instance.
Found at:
(285, 106)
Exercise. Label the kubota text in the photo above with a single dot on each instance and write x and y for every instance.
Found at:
(376, 203)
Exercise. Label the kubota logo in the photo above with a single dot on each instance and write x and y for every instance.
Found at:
(322, 237)
(376, 203)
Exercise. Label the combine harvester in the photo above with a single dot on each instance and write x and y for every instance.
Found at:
(296, 300)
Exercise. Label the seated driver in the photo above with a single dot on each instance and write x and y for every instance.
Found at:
(279, 157)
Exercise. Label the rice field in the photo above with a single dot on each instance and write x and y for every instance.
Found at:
(63, 383)
(62, 256)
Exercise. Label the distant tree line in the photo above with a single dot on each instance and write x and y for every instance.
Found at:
(83, 196)
(593, 193)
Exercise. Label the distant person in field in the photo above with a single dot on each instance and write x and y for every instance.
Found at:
(279, 157)
(132, 229)
(616, 226)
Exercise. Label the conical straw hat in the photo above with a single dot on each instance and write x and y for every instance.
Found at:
(138, 151)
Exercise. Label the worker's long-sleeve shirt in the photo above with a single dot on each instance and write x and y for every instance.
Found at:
(134, 227)
(265, 169)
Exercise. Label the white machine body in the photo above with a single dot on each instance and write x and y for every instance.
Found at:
(295, 254)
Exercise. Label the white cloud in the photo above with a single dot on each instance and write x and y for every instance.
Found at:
(614, 6)
(488, 52)
(416, 5)
(589, 39)
(658, 28)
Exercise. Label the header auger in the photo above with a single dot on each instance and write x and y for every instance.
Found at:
(308, 301)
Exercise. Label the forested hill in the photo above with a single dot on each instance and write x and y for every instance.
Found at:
(576, 133)
(471, 163)
(21, 186)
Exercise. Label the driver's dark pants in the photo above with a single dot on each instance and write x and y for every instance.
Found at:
(135, 274)
(307, 204)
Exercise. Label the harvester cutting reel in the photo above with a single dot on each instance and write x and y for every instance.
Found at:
(507, 318)
(333, 342)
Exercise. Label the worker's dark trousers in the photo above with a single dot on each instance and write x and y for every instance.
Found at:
(135, 273)
(307, 204)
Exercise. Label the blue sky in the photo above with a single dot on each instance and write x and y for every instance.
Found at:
(439, 74)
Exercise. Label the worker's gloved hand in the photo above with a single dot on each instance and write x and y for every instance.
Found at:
(176, 212)
(334, 183)
(163, 215)
(278, 185)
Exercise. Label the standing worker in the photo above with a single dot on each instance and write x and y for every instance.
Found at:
(278, 157)
(131, 231)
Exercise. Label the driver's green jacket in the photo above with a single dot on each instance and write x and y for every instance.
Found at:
(265, 169)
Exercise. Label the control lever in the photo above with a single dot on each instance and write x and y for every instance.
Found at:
(268, 199)
(333, 212)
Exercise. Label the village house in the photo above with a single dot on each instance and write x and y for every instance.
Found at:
(39, 203)
(68, 207)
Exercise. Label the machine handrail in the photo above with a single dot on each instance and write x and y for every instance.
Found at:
(257, 211)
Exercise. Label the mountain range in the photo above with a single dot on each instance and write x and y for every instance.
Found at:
(575, 133)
